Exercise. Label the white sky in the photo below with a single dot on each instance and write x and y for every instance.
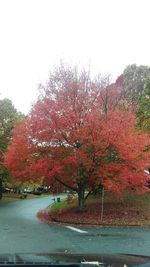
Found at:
(36, 34)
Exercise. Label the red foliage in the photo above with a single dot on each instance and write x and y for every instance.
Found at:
(43, 215)
(17, 156)
(79, 133)
(119, 81)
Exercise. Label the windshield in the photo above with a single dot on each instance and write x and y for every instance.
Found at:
(75, 131)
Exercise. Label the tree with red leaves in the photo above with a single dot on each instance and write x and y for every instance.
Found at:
(81, 135)
(19, 151)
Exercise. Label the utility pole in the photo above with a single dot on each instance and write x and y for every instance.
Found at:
(102, 206)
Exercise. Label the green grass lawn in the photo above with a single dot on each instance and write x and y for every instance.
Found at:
(63, 204)
(58, 205)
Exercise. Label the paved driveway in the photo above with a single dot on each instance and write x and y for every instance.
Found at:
(22, 232)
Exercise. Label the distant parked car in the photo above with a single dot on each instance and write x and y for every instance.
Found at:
(148, 181)
(33, 191)
(29, 190)
(7, 190)
(43, 189)
(147, 171)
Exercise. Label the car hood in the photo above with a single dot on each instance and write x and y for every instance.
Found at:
(75, 260)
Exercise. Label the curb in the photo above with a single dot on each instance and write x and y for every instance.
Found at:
(51, 220)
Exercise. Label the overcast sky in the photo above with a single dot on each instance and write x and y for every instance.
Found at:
(108, 35)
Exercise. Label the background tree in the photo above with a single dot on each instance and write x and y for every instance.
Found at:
(8, 118)
(134, 78)
(143, 111)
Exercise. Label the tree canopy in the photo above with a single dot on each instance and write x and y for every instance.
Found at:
(81, 135)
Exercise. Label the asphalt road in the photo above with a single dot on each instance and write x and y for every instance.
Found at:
(22, 232)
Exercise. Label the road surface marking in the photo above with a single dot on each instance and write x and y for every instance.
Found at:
(76, 229)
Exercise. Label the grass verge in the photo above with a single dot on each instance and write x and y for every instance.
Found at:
(127, 210)
(58, 206)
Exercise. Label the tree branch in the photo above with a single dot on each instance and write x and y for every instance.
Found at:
(88, 194)
(71, 187)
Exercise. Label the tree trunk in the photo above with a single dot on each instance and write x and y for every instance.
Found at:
(81, 199)
(0, 188)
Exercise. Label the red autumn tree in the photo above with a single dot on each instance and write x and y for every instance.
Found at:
(19, 150)
(81, 135)
(22, 156)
